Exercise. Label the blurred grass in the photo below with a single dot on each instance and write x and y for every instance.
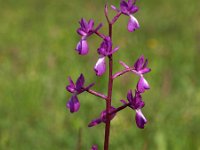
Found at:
(37, 41)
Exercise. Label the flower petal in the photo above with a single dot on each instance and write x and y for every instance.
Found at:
(71, 86)
(130, 96)
(140, 119)
(139, 63)
(82, 47)
(142, 85)
(73, 104)
(100, 66)
(80, 82)
(133, 24)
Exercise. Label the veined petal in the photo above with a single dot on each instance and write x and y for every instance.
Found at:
(140, 119)
(82, 47)
(142, 85)
(133, 24)
(73, 104)
(100, 66)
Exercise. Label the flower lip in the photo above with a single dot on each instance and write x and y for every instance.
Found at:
(73, 104)
(140, 119)
(100, 66)
(133, 24)
(82, 47)
(142, 85)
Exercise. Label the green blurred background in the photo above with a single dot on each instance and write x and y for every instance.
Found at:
(37, 41)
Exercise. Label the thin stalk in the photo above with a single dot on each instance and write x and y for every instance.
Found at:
(119, 109)
(125, 71)
(108, 101)
(96, 94)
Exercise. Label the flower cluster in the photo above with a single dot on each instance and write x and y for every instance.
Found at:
(105, 51)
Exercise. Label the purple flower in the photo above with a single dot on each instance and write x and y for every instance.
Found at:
(73, 104)
(104, 50)
(102, 118)
(141, 65)
(128, 8)
(72, 88)
(136, 104)
(136, 101)
(86, 29)
(94, 147)
(140, 68)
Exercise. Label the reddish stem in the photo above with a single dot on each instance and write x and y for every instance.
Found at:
(108, 102)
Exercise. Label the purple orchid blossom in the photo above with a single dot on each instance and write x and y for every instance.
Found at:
(136, 104)
(104, 50)
(102, 118)
(140, 68)
(73, 104)
(86, 29)
(128, 8)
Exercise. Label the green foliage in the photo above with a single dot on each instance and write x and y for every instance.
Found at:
(37, 41)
